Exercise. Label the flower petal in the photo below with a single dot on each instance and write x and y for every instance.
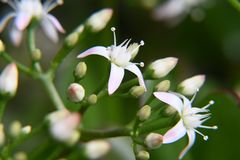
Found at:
(49, 29)
(98, 50)
(22, 20)
(134, 69)
(15, 36)
(170, 99)
(191, 140)
(115, 79)
(5, 19)
(175, 133)
(56, 23)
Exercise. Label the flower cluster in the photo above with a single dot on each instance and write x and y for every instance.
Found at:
(65, 124)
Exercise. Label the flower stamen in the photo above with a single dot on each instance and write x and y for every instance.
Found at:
(141, 64)
(113, 29)
(209, 104)
(205, 137)
(208, 127)
(194, 96)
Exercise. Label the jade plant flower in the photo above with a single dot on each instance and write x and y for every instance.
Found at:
(190, 119)
(119, 56)
(26, 10)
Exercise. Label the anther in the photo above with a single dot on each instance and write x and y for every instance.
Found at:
(141, 43)
(211, 102)
(141, 64)
(113, 29)
(205, 138)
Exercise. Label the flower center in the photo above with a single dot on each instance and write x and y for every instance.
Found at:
(122, 54)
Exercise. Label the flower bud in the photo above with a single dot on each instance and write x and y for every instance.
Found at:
(2, 135)
(2, 46)
(20, 156)
(72, 39)
(191, 85)
(63, 126)
(163, 86)
(96, 149)
(169, 111)
(15, 129)
(9, 80)
(143, 155)
(144, 113)
(26, 129)
(99, 20)
(137, 91)
(37, 55)
(162, 67)
(80, 70)
(75, 92)
(154, 140)
(92, 99)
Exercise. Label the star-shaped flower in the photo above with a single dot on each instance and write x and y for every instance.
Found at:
(26, 10)
(120, 57)
(190, 119)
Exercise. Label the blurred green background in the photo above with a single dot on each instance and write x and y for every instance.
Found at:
(210, 46)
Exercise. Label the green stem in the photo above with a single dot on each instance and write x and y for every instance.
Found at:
(20, 66)
(46, 79)
(3, 103)
(32, 47)
(235, 4)
(52, 91)
(156, 125)
(87, 135)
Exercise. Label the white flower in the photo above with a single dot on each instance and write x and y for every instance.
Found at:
(9, 80)
(120, 57)
(172, 9)
(190, 86)
(26, 10)
(190, 119)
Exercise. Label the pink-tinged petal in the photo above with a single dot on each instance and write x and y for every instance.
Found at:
(22, 20)
(56, 23)
(170, 99)
(175, 133)
(15, 36)
(5, 19)
(115, 79)
(50, 30)
(98, 50)
(134, 69)
(191, 139)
